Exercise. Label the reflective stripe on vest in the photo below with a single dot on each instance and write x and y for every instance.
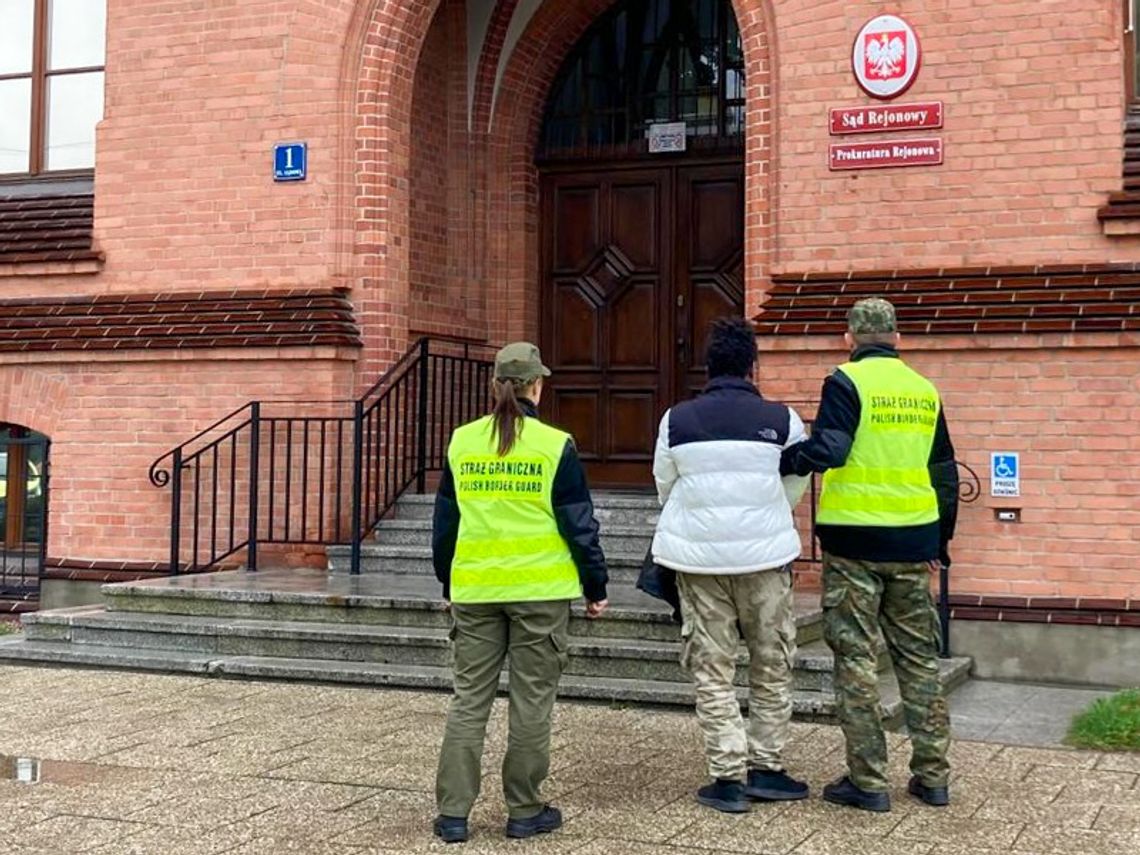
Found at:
(886, 480)
(509, 549)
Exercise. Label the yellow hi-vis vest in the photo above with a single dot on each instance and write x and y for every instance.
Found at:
(886, 480)
(509, 549)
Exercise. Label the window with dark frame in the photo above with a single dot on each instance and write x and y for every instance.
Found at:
(52, 55)
(645, 62)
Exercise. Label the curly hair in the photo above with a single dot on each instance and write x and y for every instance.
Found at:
(731, 348)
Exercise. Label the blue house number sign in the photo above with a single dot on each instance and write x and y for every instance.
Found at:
(290, 161)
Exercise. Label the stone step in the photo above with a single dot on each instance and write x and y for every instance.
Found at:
(588, 657)
(807, 706)
(623, 540)
(405, 560)
(624, 509)
(312, 595)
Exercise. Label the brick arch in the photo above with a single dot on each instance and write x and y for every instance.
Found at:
(34, 399)
(382, 47)
(489, 62)
(517, 121)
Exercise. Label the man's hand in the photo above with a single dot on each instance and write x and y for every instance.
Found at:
(595, 610)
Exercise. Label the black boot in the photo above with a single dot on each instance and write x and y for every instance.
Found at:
(450, 829)
(933, 796)
(767, 786)
(545, 821)
(844, 792)
(724, 795)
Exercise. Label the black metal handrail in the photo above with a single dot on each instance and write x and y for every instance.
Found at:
(319, 472)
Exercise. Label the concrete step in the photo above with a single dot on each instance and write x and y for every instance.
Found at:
(624, 540)
(640, 659)
(407, 560)
(396, 601)
(808, 706)
(620, 509)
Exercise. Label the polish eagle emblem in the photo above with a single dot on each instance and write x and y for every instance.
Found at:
(884, 55)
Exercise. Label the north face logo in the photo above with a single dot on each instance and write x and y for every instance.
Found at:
(768, 434)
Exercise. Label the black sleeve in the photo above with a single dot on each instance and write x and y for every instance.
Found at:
(944, 478)
(574, 513)
(444, 530)
(832, 432)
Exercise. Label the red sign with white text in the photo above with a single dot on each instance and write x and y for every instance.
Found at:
(876, 155)
(894, 117)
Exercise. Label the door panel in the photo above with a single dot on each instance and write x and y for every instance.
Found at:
(710, 262)
(636, 262)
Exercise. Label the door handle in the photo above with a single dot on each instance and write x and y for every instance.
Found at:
(682, 350)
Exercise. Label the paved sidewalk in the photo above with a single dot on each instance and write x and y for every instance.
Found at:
(1017, 713)
(158, 764)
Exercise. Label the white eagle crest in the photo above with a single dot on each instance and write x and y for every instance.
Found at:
(884, 56)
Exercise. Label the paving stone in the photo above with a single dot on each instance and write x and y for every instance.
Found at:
(358, 776)
(168, 840)
(1118, 818)
(749, 832)
(1078, 783)
(204, 812)
(841, 843)
(930, 827)
(1071, 841)
(76, 833)
(1058, 814)
(628, 824)
(1119, 762)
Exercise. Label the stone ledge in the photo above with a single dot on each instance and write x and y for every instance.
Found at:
(1071, 611)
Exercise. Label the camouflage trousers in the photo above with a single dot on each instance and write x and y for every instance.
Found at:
(712, 606)
(860, 598)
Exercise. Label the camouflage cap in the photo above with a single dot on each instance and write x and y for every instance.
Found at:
(872, 315)
(520, 361)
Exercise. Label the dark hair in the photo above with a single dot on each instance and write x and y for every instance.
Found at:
(507, 413)
(731, 348)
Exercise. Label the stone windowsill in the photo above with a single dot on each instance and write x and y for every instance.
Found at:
(83, 267)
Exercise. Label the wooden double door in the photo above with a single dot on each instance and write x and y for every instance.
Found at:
(636, 261)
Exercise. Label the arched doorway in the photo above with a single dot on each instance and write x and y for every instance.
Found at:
(639, 250)
(23, 509)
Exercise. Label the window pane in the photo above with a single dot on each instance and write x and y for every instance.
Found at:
(75, 105)
(77, 29)
(16, 35)
(16, 129)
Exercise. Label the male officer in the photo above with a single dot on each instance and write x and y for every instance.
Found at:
(886, 515)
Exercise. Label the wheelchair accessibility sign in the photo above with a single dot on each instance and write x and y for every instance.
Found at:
(1005, 474)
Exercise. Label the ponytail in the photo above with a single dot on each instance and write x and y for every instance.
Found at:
(507, 414)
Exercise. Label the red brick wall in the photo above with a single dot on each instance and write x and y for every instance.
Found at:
(109, 419)
(446, 294)
(437, 229)
(1071, 413)
(1034, 100)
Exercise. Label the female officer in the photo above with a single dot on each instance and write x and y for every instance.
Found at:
(514, 541)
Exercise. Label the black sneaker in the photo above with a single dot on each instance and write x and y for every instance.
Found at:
(724, 795)
(450, 829)
(545, 821)
(933, 796)
(844, 792)
(767, 786)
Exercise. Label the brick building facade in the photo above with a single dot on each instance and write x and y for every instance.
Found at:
(144, 298)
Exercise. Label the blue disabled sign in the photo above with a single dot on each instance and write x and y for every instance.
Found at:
(1005, 474)
(290, 161)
